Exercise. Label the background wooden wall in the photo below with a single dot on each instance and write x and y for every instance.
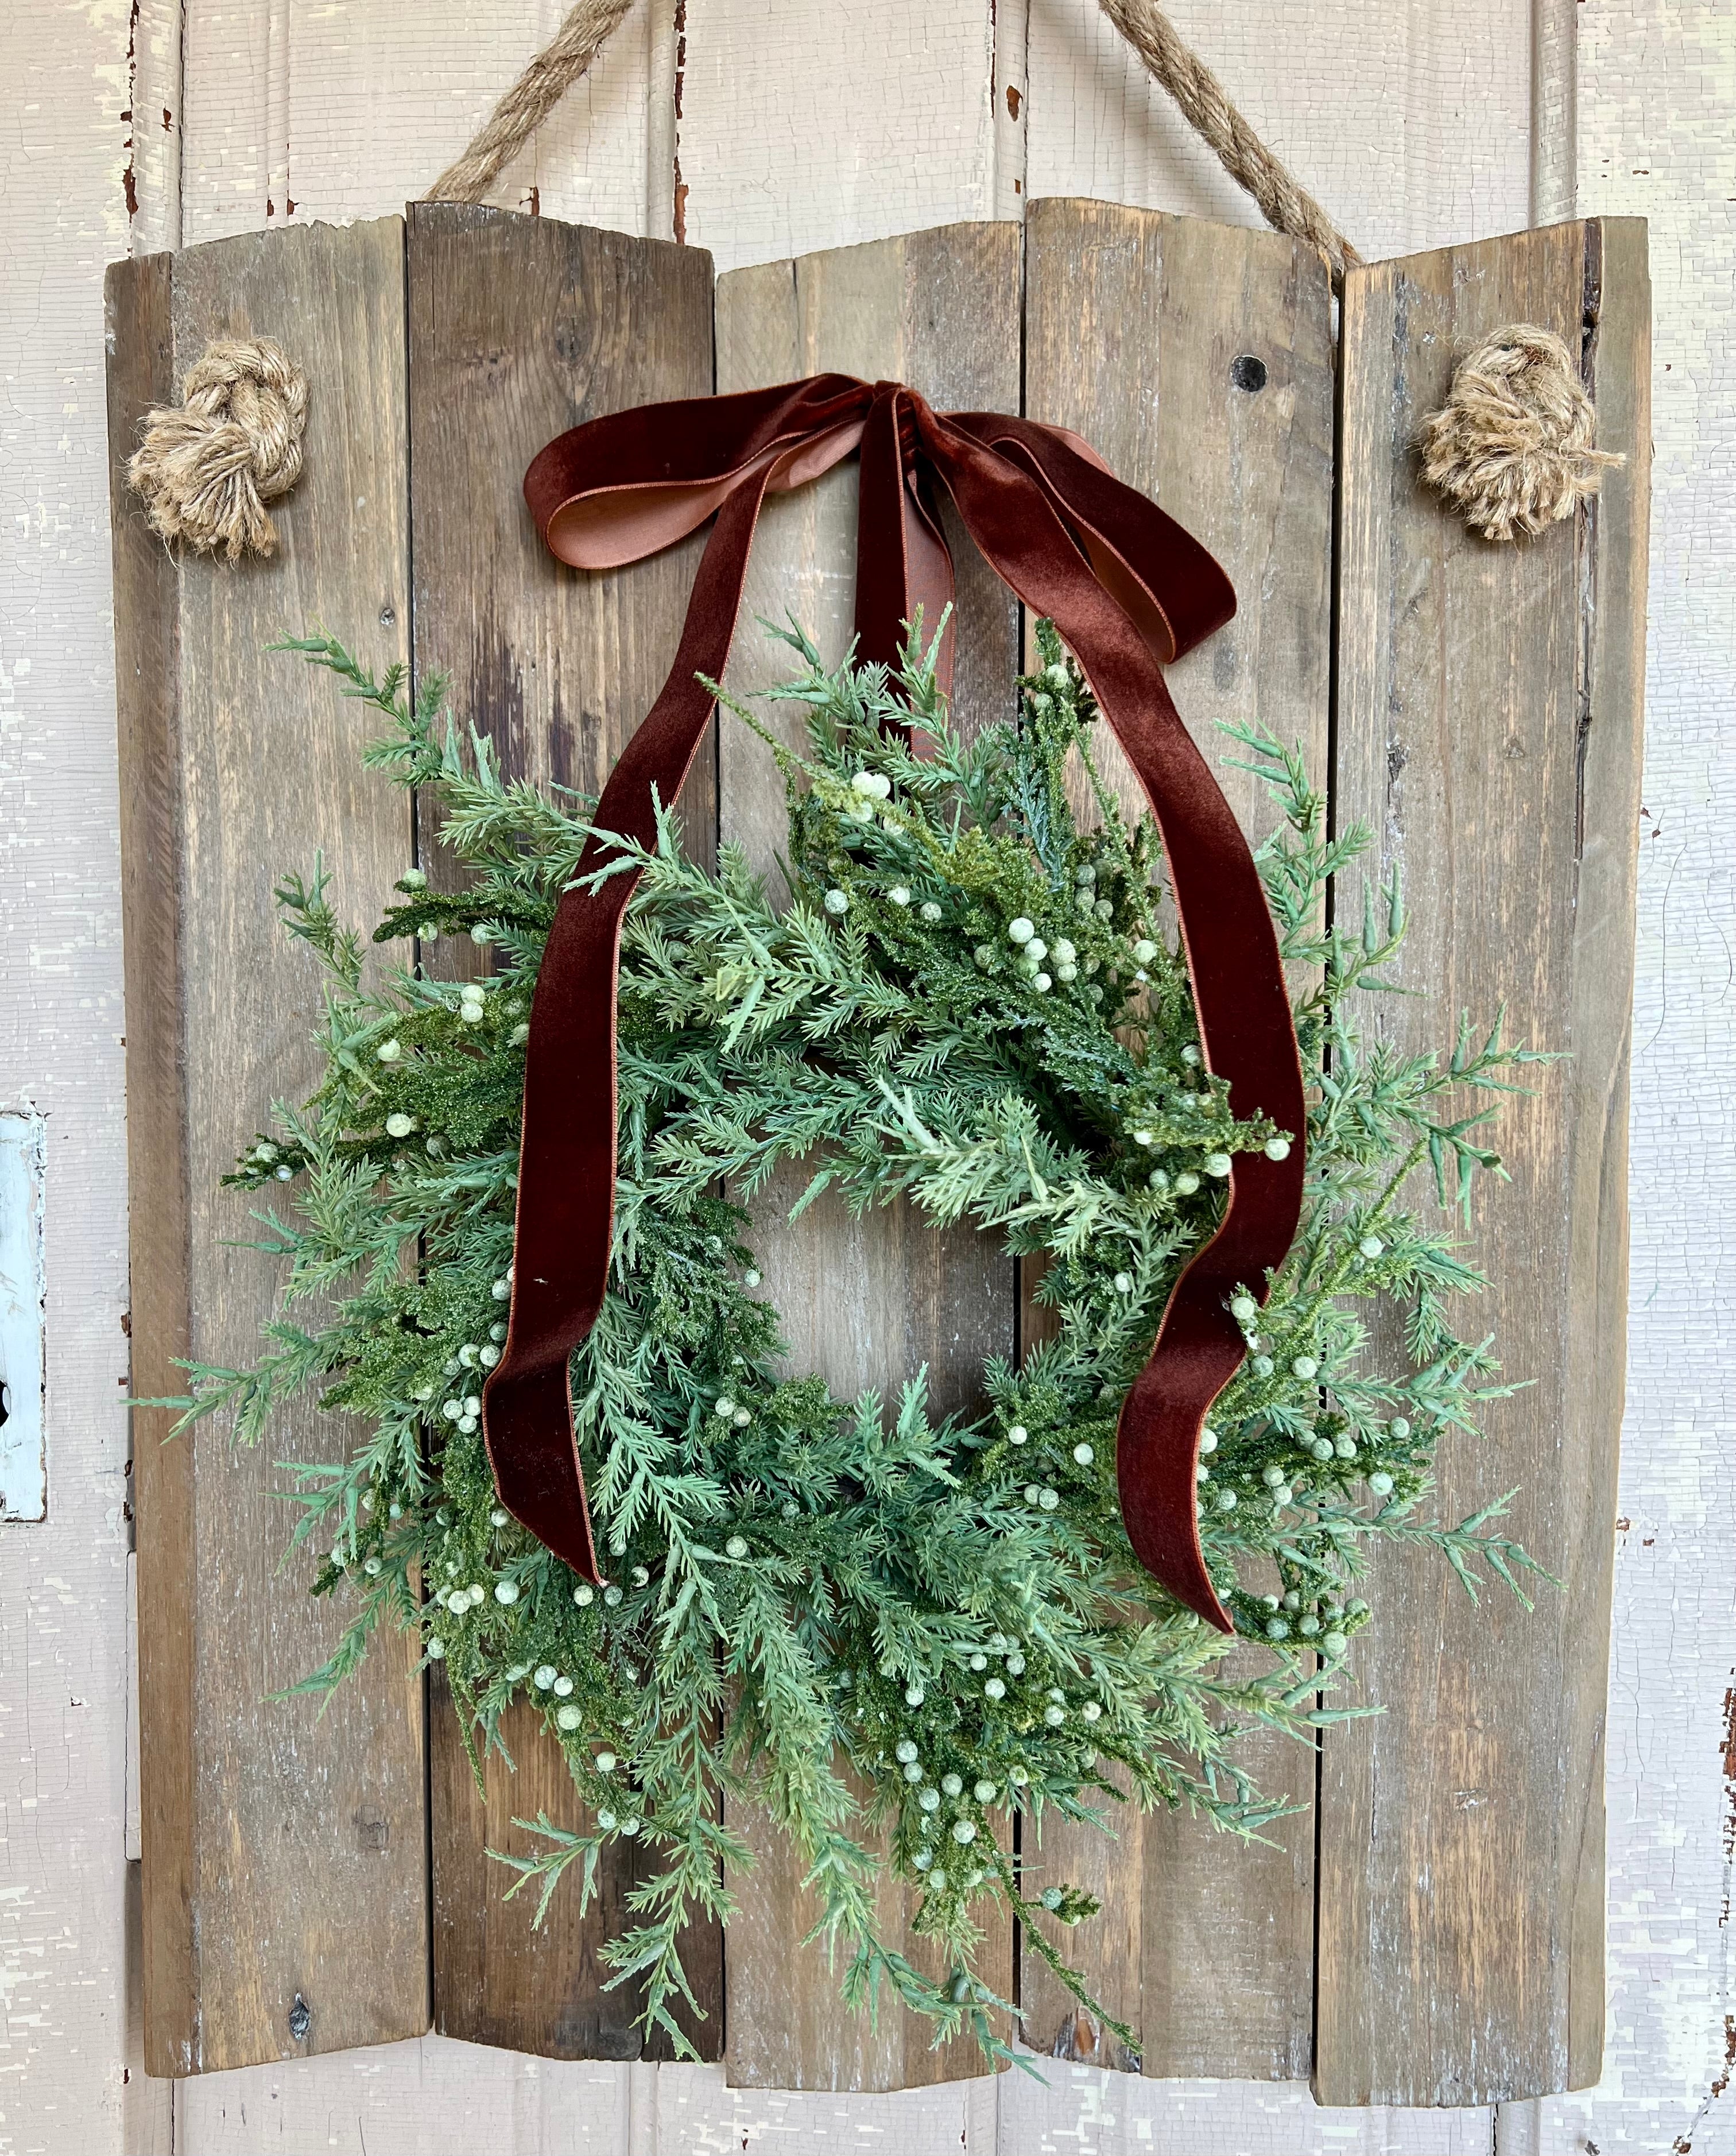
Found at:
(776, 132)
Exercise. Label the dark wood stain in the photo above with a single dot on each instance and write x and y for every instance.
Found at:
(521, 327)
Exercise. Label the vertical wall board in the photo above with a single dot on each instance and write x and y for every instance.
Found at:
(864, 1303)
(521, 327)
(1141, 329)
(1489, 720)
(23, 1437)
(284, 1891)
(827, 122)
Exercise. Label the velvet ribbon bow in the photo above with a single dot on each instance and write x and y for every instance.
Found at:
(1129, 591)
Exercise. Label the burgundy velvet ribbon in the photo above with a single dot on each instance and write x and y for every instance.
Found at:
(1129, 591)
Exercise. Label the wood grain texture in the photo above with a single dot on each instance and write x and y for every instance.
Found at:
(1137, 327)
(498, 1981)
(284, 1851)
(519, 328)
(866, 1303)
(1489, 718)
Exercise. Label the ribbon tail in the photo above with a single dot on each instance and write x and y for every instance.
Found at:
(1020, 523)
(564, 1228)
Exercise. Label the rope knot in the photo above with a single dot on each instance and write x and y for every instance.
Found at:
(1514, 447)
(207, 467)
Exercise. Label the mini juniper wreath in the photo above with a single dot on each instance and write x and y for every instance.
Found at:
(899, 1632)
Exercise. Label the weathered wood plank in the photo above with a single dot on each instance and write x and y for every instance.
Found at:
(1489, 720)
(1197, 360)
(284, 1854)
(520, 327)
(497, 1981)
(141, 373)
(866, 1303)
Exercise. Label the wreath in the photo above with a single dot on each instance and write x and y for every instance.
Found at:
(892, 1630)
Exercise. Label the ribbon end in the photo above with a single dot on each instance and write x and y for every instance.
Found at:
(527, 1428)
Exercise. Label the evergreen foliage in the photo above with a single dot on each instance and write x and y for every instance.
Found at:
(873, 1620)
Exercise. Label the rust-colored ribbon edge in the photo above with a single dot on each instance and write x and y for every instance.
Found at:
(1129, 591)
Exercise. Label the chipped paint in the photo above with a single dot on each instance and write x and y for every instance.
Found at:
(680, 214)
(23, 1294)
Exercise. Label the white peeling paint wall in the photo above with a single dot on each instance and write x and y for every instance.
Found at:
(1657, 140)
(63, 1640)
(769, 129)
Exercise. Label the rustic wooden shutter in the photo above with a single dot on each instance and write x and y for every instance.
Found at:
(1432, 1932)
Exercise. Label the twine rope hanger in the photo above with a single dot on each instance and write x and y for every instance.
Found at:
(1284, 203)
(1512, 449)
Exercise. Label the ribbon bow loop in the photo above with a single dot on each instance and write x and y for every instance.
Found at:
(1129, 591)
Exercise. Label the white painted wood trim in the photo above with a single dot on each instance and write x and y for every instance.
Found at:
(24, 1292)
(1555, 97)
